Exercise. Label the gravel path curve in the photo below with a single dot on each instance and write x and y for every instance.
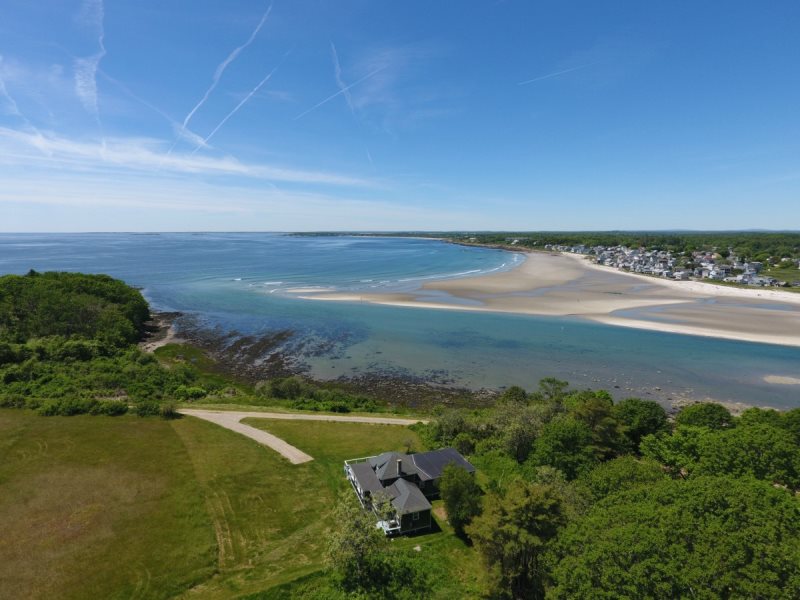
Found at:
(231, 420)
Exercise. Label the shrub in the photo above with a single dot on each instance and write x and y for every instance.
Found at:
(168, 410)
(287, 388)
(147, 408)
(12, 401)
(67, 407)
(183, 392)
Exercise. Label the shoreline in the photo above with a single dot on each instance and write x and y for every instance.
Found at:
(569, 285)
(161, 332)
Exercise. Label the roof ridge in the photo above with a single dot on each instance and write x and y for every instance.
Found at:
(414, 460)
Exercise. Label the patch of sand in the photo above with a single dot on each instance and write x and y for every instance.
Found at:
(552, 284)
(782, 380)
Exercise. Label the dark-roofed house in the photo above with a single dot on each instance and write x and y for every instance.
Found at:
(406, 481)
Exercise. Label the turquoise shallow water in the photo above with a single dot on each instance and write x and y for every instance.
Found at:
(239, 282)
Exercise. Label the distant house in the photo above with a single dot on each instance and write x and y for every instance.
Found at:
(407, 482)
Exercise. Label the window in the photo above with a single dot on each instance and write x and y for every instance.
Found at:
(415, 516)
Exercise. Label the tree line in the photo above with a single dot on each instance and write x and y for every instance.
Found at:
(757, 246)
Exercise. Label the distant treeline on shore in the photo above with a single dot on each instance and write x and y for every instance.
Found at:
(754, 245)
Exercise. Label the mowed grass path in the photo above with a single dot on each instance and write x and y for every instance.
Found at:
(99, 507)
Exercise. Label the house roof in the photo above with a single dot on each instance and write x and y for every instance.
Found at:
(426, 465)
(386, 465)
(365, 477)
(430, 465)
(406, 497)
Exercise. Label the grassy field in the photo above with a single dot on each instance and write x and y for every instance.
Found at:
(785, 273)
(99, 507)
(456, 565)
(143, 508)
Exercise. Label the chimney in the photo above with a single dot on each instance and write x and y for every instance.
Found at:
(399, 467)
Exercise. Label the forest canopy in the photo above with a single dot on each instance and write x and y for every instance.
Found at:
(68, 346)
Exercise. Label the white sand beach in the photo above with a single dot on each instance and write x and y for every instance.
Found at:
(554, 284)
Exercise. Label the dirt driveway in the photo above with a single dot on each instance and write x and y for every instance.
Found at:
(231, 420)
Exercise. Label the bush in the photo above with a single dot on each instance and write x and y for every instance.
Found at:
(183, 392)
(147, 408)
(288, 388)
(168, 410)
(12, 401)
(67, 407)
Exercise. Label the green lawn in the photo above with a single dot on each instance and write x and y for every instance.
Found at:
(783, 273)
(456, 565)
(100, 507)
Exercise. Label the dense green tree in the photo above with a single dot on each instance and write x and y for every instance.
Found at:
(678, 452)
(640, 418)
(461, 496)
(764, 416)
(791, 423)
(498, 468)
(621, 474)
(760, 450)
(515, 427)
(705, 414)
(355, 546)
(596, 412)
(551, 391)
(449, 424)
(362, 561)
(70, 304)
(67, 344)
(708, 538)
(512, 535)
(566, 444)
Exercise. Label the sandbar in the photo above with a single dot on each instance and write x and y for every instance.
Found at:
(782, 380)
(554, 284)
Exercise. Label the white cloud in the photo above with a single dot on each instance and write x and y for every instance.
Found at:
(92, 15)
(86, 81)
(194, 205)
(146, 154)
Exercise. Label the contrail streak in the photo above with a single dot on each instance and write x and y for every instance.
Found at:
(556, 74)
(180, 131)
(235, 110)
(224, 65)
(339, 93)
(337, 72)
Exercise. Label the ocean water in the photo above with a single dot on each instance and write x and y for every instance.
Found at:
(248, 283)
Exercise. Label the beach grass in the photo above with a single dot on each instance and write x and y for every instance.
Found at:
(128, 507)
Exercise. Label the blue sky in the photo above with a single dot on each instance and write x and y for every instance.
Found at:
(123, 115)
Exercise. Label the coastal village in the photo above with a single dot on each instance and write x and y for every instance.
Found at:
(700, 265)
